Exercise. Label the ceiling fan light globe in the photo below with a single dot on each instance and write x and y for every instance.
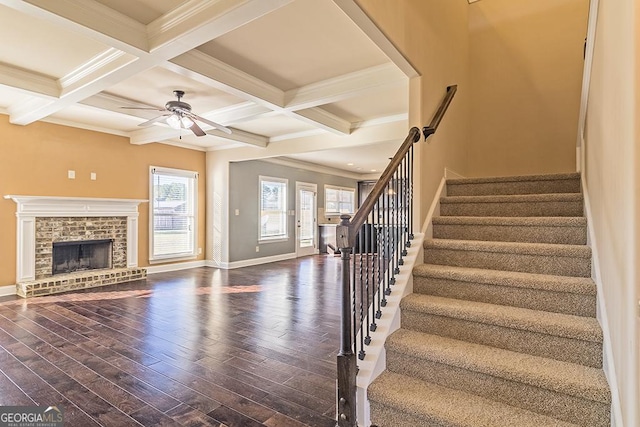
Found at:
(173, 121)
(186, 122)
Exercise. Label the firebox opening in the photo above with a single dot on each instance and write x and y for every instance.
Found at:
(82, 255)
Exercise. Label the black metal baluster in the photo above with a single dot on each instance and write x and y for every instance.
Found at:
(354, 289)
(396, 223)
(361, 286)
(387, 255)
(411, 236)
(378, 278)
(367, 251)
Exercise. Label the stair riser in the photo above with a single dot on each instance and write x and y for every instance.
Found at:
(535, 299)
(508, 188)
(526, 263)
(539, 234)
(568, 408)
(518, 209)
(384, 416)
(538, 344)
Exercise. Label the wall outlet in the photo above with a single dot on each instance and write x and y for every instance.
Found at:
(71, 174)
(199, 251)
(94, 176)
(257, 248)
(237, 212)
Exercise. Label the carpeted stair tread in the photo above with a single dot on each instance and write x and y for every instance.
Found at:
(561, 325)
(577, 285)
(544, 249)
(562, 377)
(516, 198)
(516, 178)
(540, 229)
(512, 221)
(436, 405)
(528, 184)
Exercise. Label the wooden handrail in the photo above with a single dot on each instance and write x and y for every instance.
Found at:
(437, 117)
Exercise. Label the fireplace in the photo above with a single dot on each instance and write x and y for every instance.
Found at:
(69, 257)
(95, 242)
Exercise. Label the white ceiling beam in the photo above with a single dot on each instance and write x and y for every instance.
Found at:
(198, 21)
(108, 101)
(91, 19)
(375, 34)
(324, 120)
(28, 81)
(387, 132)
(102, 64)
(225, 16)
(237, 113)
(344, 87)
(159, 133)
(228, 115)
(210, 71)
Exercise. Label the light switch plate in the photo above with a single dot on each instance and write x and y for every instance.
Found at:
(71, 174)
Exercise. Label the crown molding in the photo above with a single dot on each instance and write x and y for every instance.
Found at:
(100, 65)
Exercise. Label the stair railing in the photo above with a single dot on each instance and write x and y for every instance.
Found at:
(377, 236)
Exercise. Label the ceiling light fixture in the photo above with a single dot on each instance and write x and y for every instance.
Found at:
(186, 122)
(176, 121)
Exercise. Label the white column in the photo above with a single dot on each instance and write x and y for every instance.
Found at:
(132, 240)
(26, 249)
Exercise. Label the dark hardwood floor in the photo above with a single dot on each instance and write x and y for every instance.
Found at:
(248, 347)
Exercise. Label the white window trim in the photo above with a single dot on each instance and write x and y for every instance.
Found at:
(276, 239)
(194, 250)
(339, 188)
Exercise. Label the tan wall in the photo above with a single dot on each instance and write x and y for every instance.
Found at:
(612, 173)
(433, 35)
(526, 61)
(34, 160)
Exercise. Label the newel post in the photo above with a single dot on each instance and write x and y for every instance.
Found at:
(347, 368)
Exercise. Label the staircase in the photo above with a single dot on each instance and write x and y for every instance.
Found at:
(501, 327)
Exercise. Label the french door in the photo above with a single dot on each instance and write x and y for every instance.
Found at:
(306, 221)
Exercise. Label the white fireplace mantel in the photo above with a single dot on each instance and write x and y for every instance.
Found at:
(31, 207)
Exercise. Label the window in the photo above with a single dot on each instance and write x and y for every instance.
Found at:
(273, 208)
(339, 200)
(173, 214)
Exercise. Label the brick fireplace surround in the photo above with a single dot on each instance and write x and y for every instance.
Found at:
(43, 220)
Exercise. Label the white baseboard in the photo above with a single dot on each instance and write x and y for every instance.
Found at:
(255, 261)
(434, 209)
(601, 313)
(153, 269)
(7, 290)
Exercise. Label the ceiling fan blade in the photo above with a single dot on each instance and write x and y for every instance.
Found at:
(154, 120)
(197, 130)
(210, 123)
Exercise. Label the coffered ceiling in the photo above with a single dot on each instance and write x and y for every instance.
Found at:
(270, 70)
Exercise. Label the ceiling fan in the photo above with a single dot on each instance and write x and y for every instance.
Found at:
(178, 115)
